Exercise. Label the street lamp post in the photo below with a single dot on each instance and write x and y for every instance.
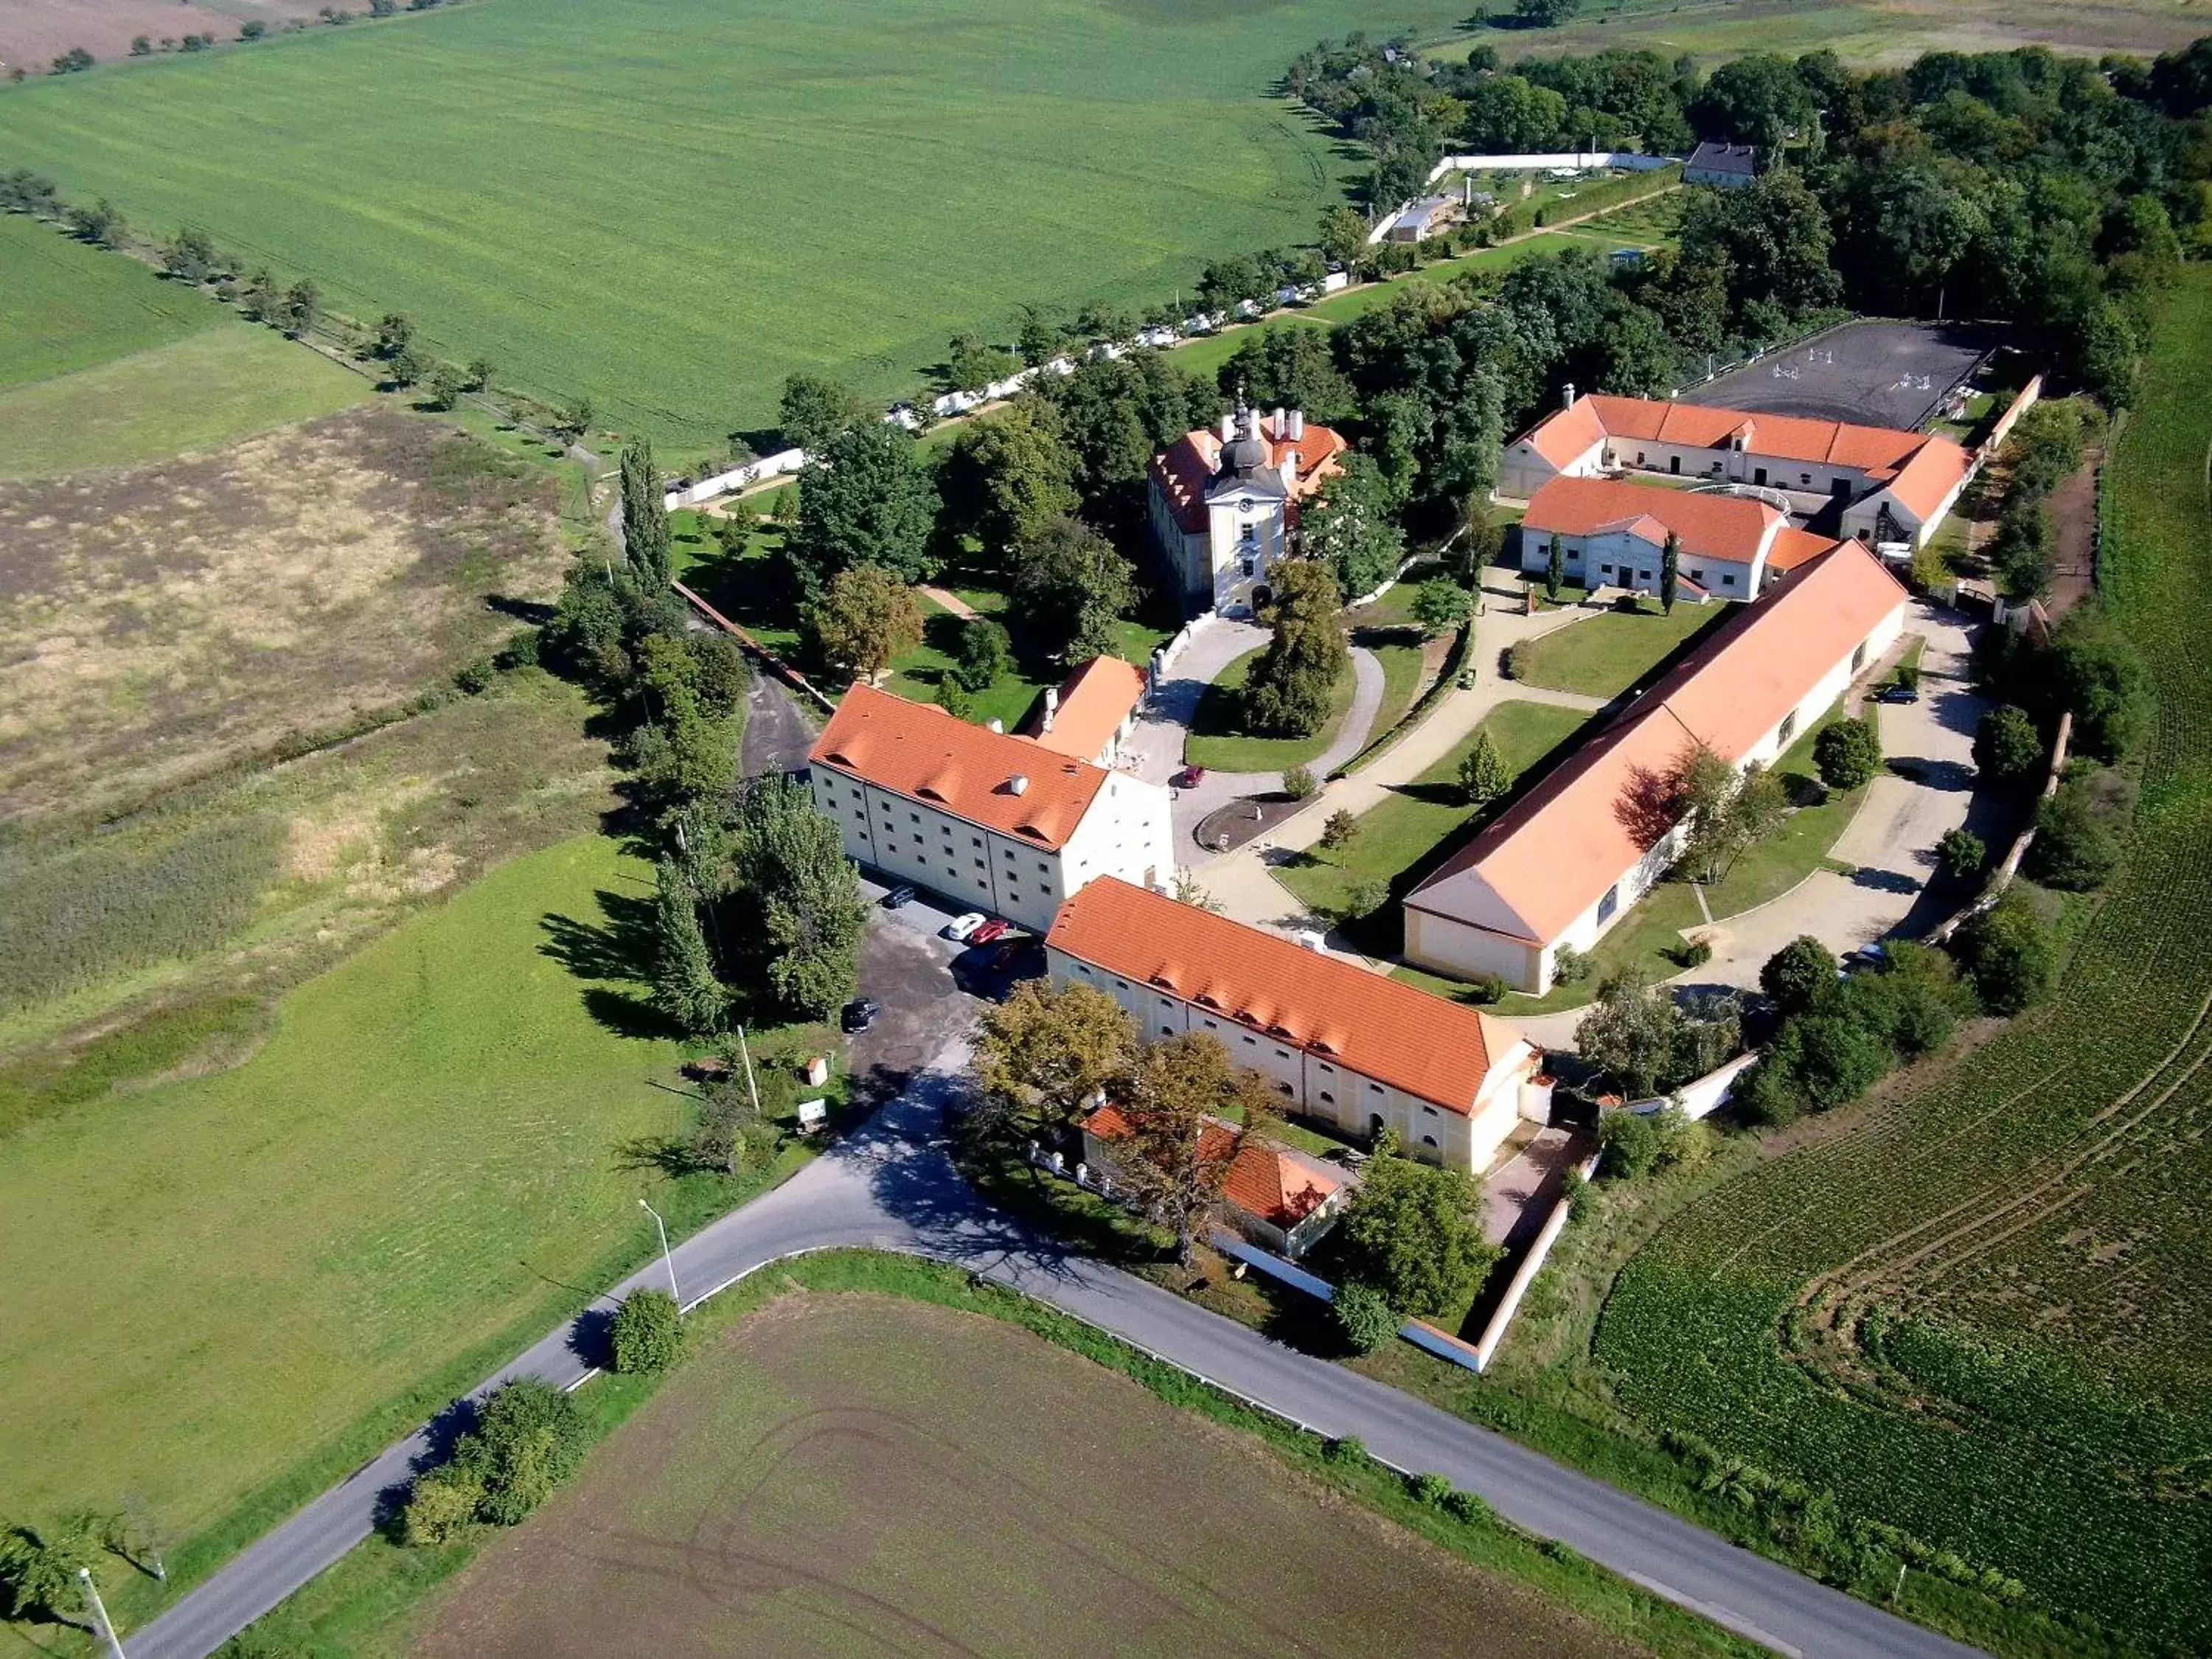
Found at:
(99, 1611)
(664, 1255)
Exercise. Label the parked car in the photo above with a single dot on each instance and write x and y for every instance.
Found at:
(1190, 777)
(1898, 693)
(989, 933)
(859, 1014)
(960, 927)
(898, 898)
(1010, 954)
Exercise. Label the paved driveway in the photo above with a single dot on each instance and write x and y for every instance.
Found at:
(1891, 843)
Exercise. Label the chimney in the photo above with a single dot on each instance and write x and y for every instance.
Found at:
(1251, 422)
(1281, 422)
(1000, 727)
(1228, 426)
(1018, 785)
(1051, 707)
(1297, 429)
(1567, 395)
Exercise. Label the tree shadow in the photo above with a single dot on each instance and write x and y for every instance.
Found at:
(623, 948)
(536, 612)
(592, 1337)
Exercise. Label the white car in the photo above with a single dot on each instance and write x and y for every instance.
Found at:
(959, 927)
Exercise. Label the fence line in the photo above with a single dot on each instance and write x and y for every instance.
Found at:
(1988, 897)
(1485, 1346)
(782, 670)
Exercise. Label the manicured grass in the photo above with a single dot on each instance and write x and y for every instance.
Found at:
(918, 674)
(224, 1291)
(66, 305)
(1419, 817)
(833, 187)
(1401, 660)
(1602, 656)
(2032, 1375)
(202, 391)
(1218, 743)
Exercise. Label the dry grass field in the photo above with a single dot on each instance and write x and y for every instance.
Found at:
(855, 1474)
(159, 621)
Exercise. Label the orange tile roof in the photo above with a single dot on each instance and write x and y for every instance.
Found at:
(1262, 1182)
(1922, 482)
(915, 749)
(1883, 453)
(1098, 697)
(1188, 465)
(1793, 547)
(1712, 525)
(1367, 1023)
(1553, 855)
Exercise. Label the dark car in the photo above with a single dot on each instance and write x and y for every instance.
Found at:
(1010, 954)
(989, 933)
(1898, 693)
(898, 898)
(860, 1013)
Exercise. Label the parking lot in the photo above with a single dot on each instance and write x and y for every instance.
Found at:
(1889, 375)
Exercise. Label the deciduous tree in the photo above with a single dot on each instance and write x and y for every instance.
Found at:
(1631, 1033)
(1172, 1093)
(1414, 1233)
(865, 616)
(805, 913)
(1070, 586)
(1441, 606)
(1043, 1053)
(1353, 528)
(864, 498)
(1293, 680)
(815, 409)
(1009, 475)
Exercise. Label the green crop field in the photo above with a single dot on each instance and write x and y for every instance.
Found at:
(845, 1473)
(1980, 1313)
(102, 363)
(222, 1290)
(669, 205)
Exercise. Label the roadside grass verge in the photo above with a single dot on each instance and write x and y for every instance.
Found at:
(380, 1598)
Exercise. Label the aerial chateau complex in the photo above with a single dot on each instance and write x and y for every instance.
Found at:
(1224, 505)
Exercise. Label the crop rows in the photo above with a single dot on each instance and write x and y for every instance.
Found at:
(1980, 1314)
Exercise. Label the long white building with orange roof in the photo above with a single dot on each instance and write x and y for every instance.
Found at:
(1894, 486)
(1613, 533)
(1568, 860)
(1357, 1049)
(1005, 824)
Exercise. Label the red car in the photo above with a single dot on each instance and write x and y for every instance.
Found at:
(1190, 777)
(989, 933)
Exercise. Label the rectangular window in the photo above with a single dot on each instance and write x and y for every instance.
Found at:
(1789, 725)
(1605, 570)
(1252, 1042)
(1727, 581)
(1608, 904)
(1805, 478)
(1122, 984)
(1696, 574)
(1858, 658)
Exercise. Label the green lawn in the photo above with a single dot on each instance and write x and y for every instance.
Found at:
(1401, 660)
(1418, 819)
(201, 392)
(224, 1292)
(102, 363)
(670, 206)
(1218, 743)
(65, 305)
(919, 673)
(1602, 656)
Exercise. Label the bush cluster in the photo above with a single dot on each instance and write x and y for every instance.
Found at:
(529, 1437)
(1838, 1037)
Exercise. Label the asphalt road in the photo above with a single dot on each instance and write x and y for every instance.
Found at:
(892, 1186)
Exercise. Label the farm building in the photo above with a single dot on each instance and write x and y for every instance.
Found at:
(1612, 532)
(1730, 165)
(1092, 715)
(1003, 824)
(1566, 861)
(1354, 1048)
(1282, 1200)
(1226, 505)
(1418, 221)
(1886, 485)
